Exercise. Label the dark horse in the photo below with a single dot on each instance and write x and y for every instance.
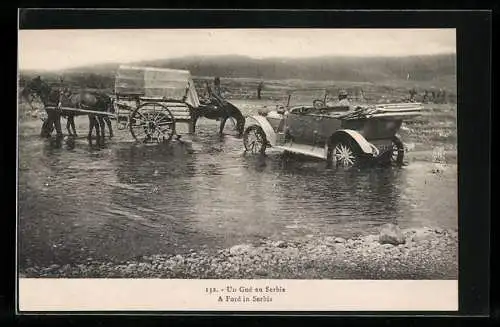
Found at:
(52, 97)
(85, 101)
(218, 108)
(91, 101)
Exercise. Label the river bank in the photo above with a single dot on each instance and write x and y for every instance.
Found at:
(422, 253)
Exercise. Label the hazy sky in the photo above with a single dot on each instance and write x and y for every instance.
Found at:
(58, 49)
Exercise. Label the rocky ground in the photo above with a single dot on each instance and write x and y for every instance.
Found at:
(393, 254)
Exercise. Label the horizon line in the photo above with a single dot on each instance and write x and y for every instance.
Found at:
(237, 55)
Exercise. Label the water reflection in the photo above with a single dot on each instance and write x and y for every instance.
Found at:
(153, 197)
(151, 164)
(52, 145)
(330, 196)
(232, 202)
(375, 193)
(70, 143)
(60, 200)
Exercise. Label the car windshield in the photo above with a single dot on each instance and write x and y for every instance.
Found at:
(304, 97)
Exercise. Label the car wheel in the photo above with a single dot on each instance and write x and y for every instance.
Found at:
(343, 153)
(396, 155)
(398, 151)
(255, 140)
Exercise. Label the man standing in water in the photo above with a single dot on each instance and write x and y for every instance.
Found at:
(53, 118)
(259, 89)
(217, 86)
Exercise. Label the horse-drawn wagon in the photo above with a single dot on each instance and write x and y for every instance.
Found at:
(151, 102)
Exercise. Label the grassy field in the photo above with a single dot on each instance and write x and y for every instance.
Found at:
(387, 91)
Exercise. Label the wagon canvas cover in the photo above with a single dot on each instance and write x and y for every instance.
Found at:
(155, 82)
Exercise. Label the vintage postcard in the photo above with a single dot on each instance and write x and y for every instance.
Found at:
(237, 170)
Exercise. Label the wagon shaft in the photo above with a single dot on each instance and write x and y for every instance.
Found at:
(85, 111)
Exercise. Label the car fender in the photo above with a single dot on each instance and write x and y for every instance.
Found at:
(365, 146)
(265, 125)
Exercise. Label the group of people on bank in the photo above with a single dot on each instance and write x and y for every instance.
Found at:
(433, 96)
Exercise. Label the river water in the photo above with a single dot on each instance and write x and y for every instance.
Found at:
(79, 202)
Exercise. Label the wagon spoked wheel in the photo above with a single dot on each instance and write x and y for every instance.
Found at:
(254, 140)
(152, 123)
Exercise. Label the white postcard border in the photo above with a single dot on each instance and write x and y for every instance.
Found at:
(47, 295)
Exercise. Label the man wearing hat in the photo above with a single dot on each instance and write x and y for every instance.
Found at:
(343, 101)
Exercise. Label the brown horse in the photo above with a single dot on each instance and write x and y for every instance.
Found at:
(219, 109)
(222, 113)
(52, 97)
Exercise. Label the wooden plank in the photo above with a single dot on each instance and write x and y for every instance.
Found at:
(170, 105)
(180, 113)
(161, 99)
(178, 110)
(393, 114)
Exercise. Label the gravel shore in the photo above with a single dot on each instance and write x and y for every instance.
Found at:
(393, 254)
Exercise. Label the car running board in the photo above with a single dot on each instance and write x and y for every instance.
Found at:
(313, 151)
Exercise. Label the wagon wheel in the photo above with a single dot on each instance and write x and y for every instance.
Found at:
(152, 123)
(254, 140)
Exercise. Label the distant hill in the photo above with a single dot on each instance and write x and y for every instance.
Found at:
(356, 69)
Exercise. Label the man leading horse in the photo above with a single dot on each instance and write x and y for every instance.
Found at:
(55, 98)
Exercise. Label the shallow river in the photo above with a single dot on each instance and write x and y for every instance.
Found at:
(123, 200)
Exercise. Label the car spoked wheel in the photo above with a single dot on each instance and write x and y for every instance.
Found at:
(254, 140)
(397, 152)
(343, 154)
(394, 155)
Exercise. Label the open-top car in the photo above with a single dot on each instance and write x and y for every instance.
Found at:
(343, 135)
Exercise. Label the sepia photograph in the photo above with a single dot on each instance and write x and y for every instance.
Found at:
(238, 154)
